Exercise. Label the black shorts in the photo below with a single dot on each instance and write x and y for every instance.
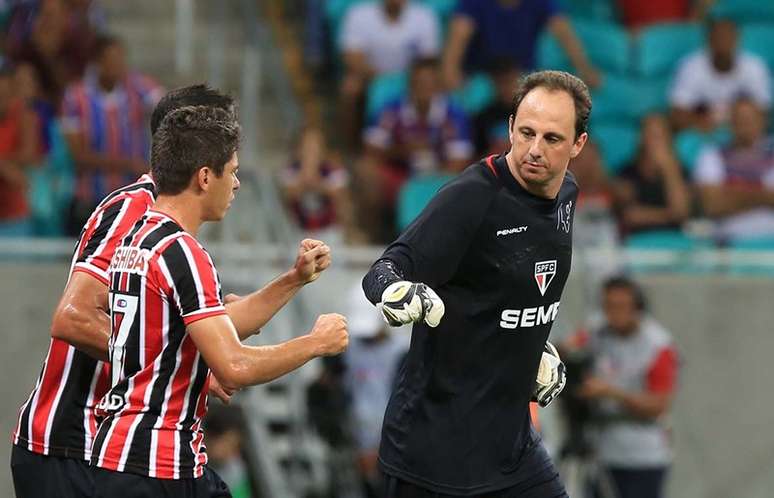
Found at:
(109, 484)
(544, 484)
(215, 485)
(41, 476)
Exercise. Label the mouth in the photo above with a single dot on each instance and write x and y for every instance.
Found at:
(533, 165)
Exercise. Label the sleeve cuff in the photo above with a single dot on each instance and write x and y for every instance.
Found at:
(201, 314)
(92, 270)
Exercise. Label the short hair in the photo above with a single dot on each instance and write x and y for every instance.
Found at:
(423, 63)
(104, 42)
(558, 81)
(192, 95)
(188, 139)
(627, 284)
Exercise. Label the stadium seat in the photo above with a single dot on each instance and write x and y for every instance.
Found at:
(617, 143)
(744, 11)
(628, 99)
(477, 92)
(414, 196)
(383, 89)
(663, 239)
(661, 46)
(606, 44)
(689, 143)
(759, 39)
(592, 10)
(443, 9)
(740, 265)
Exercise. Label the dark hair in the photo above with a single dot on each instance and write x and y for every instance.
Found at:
(558, 81)
(423, 63)
(188, 139)
(626, 283)
(192, 95)
(104, 42)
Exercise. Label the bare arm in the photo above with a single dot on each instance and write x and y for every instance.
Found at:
(29, 149)
(645, 405)
(237, 366)
(728, 199)
(253, 311)
(562, 30)
(678, 198)
(81, 318)
(88, 160)
(461, 30)
(357, 64)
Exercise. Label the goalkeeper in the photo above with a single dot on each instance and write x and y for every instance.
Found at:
(480, 273)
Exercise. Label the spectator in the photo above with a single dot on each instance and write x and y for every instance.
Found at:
(315, 186)
(594, 220)
(736, 182)
(105, 125)
(423, 132)
(491, 124)
(372, 361)
(651, 193)
(631, 387)
(18, 149)
(708, 81)
(223, 425)
(485, 30)
(381, 37)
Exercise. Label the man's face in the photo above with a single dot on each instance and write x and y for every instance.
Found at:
(621, 310)
(722, 43)
(112, 64)
(542, 136)
(394, 6)
(748, 123)
(424, 85)
(222, 190)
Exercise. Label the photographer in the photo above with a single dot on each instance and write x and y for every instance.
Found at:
(630, 387)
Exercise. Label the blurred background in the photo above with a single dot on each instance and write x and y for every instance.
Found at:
(355, 112)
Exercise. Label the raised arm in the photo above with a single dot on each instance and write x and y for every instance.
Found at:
(253, 311)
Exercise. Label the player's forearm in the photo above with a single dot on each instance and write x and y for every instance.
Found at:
(86, 330)
(678, 200)
(639, 216)
(724, 201)
(561, 28)
(254, 311)
(261, 364)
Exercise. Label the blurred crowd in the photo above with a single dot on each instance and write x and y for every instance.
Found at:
(680, 153)
(73, 116)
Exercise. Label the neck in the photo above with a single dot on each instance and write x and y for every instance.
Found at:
(547, 190)
(183, 208)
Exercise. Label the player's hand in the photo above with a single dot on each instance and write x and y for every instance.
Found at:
(313, 258)
(596, 388)
(331, 333)
(406, 302)
(551, 376)
(220, 392)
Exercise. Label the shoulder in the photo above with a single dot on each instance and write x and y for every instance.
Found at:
(569, 184)
(695, 61)
(655, 333)
(418, 11)
(477, 179)
(749, 62)
(364, 11)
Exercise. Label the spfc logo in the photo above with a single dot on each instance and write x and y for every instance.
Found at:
(544, 273)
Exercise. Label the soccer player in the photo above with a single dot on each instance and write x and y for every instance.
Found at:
(55, 427)
(480, 272)
(169, 324)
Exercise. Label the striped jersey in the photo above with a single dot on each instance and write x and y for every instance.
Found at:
(161, 281)
(58, 416)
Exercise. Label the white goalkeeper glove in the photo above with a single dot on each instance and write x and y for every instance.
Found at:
(406, 302)
(551, 376)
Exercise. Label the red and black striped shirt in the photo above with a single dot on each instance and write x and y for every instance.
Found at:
(58, 416)
(161, 281)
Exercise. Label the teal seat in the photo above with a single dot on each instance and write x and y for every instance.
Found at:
(591, 10)
(477, 93)
(759, 39)
(679, 247)
(661, 46)
(688, 145)
(674, 240)
(617, 143)
(606, 44)
(744, 11)
(628, 99)
(384, 89)
(414, 196)
(51, 187)
(443, 9)
(335, 10)
(742, 248)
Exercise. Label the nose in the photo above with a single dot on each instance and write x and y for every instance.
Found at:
(237, 183)
(535, 151)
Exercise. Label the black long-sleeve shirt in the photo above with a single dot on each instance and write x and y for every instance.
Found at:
(498, 256)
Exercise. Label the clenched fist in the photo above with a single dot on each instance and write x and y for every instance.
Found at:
(330, 331)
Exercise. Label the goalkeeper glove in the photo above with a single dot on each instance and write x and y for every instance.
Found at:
(551, 376)
(406, 302)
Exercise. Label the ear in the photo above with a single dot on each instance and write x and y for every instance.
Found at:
(511, 120)
(577, 147)
(204, 178)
